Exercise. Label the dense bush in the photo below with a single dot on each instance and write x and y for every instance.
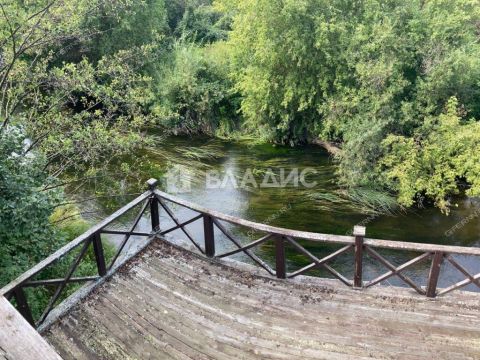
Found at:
(358, 73)
(193, 93)
(197, 21)
(442, 153)
(26, 234)
(60, 113)
(33, 222)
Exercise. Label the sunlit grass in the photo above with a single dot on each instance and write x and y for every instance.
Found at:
(366, 201)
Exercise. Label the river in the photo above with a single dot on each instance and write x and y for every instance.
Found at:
(321, 206)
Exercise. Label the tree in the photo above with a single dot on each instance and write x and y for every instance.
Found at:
(193, 94)
(353, 72)
(442, 154)
(77, 114)
(27, 197)
(59, 114)
(130, 25)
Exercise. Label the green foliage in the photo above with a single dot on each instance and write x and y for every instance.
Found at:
(444, 152)
(197, 21)
(353, 72)
(102, 116)
(79, 115)
(193, 93)
(26, 234)
(59, 113)
(130, 25)
(33, 224)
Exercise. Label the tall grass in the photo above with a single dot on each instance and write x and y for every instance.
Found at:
(362, 200)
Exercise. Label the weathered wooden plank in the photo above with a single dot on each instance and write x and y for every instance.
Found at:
(18, 340)
(412, 246)
(50, 282)
(199, 308)
(285, 325)
(336, 299)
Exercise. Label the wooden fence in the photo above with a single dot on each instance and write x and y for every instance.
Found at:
(155, 200)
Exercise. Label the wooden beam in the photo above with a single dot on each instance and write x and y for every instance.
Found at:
(318, 237)
(209, 236)
(99, 255)
(154, 214)
(50, 282)
(280, 259)
(176, 227)
(434, 274)
(319, 262)
(397, 270)
(126, 233)
(130, 233)
(342, 239)
(18, 339)
(246, 247)
(62, 285)
(359, 233)
(182, 227)
(247, 252)
(394, 270)
(22, 305)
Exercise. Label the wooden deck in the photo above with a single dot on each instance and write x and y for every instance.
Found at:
(170, 303)
(18, 340)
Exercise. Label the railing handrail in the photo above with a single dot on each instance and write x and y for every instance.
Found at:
(311, 236)
(319, 237)
(342, 239)
(281, 237)
(72, 245)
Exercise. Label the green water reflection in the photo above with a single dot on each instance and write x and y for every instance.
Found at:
(182, 163)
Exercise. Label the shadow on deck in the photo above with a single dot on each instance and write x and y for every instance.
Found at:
(168, 302)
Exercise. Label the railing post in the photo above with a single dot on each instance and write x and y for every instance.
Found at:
(434, 274)
(154, 211)
(209, 236)
(359, 233)
(280, 263)
(22, 305)
(99, 256)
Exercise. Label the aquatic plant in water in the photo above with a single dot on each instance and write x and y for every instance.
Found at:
(366, 201)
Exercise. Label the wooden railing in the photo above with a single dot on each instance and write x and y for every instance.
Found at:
(154, 200)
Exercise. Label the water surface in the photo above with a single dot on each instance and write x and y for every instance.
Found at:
(183, 162)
